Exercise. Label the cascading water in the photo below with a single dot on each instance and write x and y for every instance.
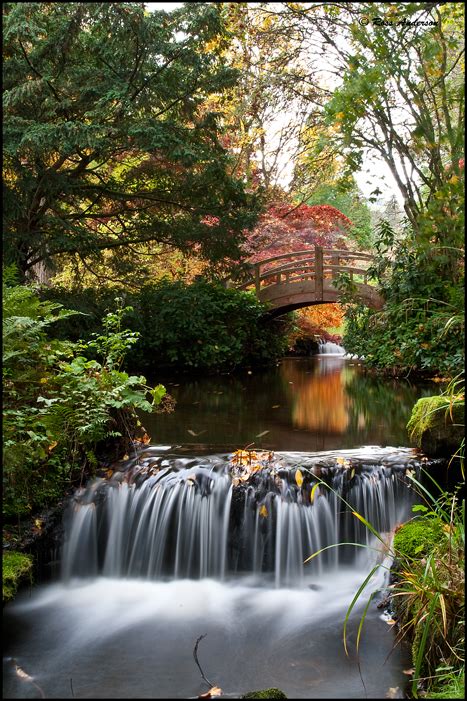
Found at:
(329, 348)
(170, 548)
(165, 516)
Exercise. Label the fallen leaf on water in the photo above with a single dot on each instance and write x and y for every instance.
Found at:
(146, 439)
(263, 511)
(126, 457)
(390, 621)
(312, 493)
(409, 672)
(343, 462)
(191, 478)
(258, 435)
(213, 691)
(109, 473)
(393, 692)
(299, 478)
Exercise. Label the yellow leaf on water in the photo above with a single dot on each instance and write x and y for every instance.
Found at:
(343, 462)
(213, 691)
(263, 511)
(125, 457)
(312, 493)
(299, 478)
(393, 692)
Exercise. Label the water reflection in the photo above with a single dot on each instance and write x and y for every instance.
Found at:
(308, 404)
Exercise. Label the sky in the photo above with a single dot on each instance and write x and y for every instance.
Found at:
(374, 173)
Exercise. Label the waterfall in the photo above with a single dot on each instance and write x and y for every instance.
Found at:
(163, 516)
(329, 348)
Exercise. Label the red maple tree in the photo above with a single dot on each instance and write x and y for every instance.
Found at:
(285, 228)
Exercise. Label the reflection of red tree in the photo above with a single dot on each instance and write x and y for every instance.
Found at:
(320, 402)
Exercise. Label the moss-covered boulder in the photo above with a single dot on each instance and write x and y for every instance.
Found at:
(437, 426)
(16, 567)
(418, 537)
(272, 693)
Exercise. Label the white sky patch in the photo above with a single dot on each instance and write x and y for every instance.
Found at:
(374, 174)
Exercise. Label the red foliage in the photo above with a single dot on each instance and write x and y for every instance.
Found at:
(285, 228)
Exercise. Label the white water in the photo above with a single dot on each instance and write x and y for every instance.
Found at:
(165, 553)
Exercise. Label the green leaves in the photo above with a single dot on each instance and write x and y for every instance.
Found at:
(59, 403)
(105, 138)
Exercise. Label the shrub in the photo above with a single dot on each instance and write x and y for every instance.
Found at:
(199, 326)
(15, 567)
(58, 404)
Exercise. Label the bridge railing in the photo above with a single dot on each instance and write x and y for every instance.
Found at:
(316, 264)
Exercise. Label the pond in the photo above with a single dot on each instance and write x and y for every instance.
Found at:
(182, 541)
(323, 402)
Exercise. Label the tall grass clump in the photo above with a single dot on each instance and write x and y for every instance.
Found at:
(427, 595)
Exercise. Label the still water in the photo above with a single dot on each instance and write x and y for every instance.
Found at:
(308, 404)
(123, 620)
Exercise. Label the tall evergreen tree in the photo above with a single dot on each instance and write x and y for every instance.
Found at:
(106, 144)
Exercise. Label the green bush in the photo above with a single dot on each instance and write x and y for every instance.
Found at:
(417, 537)
(201, 326)
(15, 567)
(59, 404)
(421, 326)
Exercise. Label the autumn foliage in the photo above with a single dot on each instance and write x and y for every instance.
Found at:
(285, 228)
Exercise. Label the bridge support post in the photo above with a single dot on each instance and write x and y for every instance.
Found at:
(318, 272)
(257, 280)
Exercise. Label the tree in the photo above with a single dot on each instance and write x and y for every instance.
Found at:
(106, 145)
(285, 228)
(351, 203)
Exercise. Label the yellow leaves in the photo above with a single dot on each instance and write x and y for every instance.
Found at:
(263, 511)
(212, 693)
(299, 478)
(243, 457)
(340, 116)
(52, 446)
(312, 493)
(43, 380)
(246, 463)
(38, 522)
(453, 180)
(343, 462)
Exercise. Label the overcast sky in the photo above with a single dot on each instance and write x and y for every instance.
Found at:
(375, 173)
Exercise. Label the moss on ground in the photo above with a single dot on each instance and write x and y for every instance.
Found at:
(272, 693)
(418, 537)
(16, 566)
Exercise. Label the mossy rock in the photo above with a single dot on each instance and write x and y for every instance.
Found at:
(16, 566)
(272, 693)
(436, 426)
(418, 537)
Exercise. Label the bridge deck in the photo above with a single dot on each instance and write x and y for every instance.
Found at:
(303, 278)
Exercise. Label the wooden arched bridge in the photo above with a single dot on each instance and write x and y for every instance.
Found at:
(304, 278)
